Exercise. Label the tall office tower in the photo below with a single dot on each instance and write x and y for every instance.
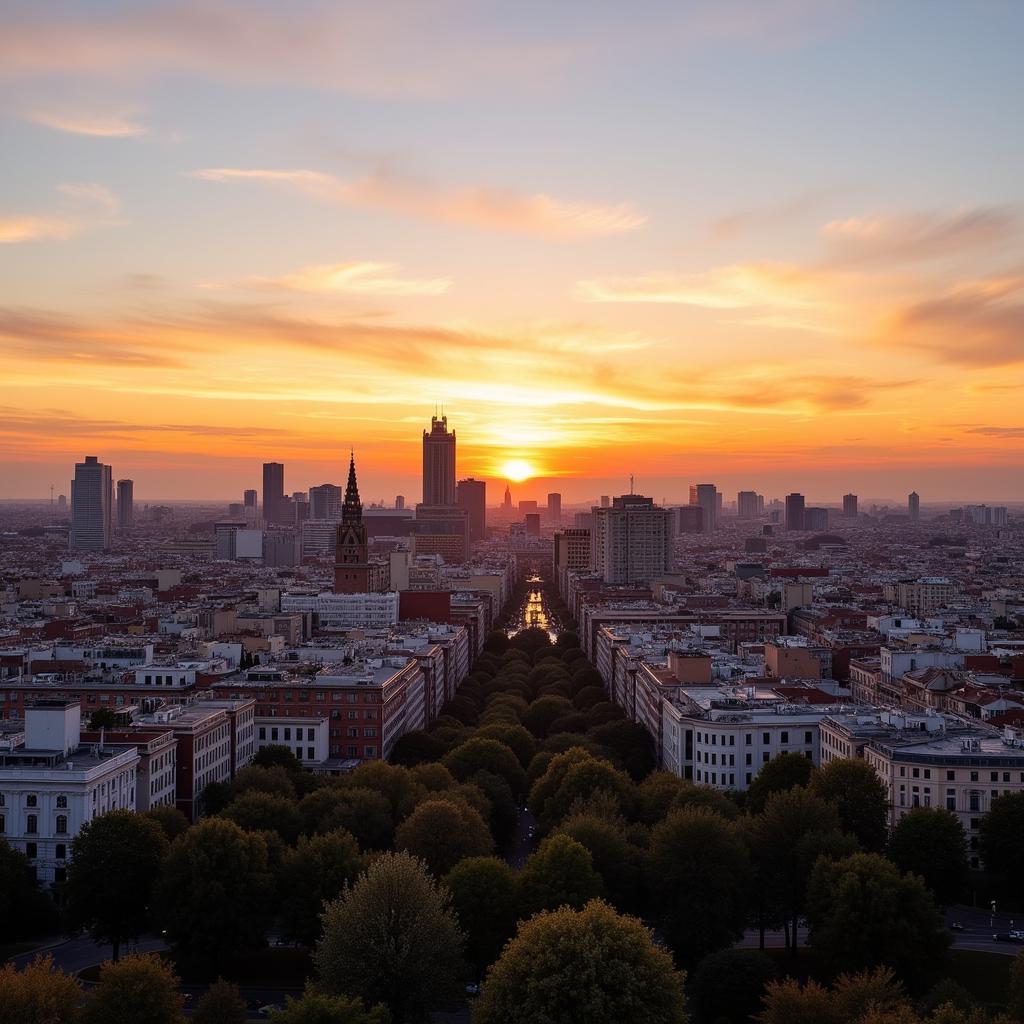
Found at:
(554, 508)
(605, 501)
(300, 504)
(91, 506)
(850, 506)
(399, 501)
(914, 506)
(273, 491)
(62, 501)
(532, 520)
(816, 519)
(794, 511)
(472, 496)
(690, 519)
(631, 541)
(351, 549)
(507, 503)
(439, 463)
(747, 504)
(706, 495)
(1000, 516)
(249, 498)
(571, 550)
(125, 504)
(325, 502)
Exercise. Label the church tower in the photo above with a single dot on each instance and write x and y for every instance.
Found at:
(352, 571)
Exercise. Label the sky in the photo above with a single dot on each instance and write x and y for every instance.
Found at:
(774, 245)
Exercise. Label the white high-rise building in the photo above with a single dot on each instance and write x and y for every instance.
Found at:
(92, 503)
(631, 541)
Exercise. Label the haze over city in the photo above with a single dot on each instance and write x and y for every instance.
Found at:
(757, 242)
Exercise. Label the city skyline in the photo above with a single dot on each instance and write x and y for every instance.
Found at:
(217, 254)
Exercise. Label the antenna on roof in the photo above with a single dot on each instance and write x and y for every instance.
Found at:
(630, 483)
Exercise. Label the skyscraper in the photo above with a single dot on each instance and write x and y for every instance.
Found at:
(507, 503)
(850, 506)
(439, 463)
(794, 511)
(606, 502)
(914, 506)
(631, 542)
(554, 508)
(706, 495)
(748, 505)
(249, 499)
(325, 501)
(91, 506)
(472, 496)
(352, 573)
(125, 504)
(399, 501)
(273, 491)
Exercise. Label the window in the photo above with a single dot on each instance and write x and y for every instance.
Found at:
(785, 736)
(61, 851)
(31, 851)
(974, 776)
(766, 738)
(750, 758)
(62, 825)
(62, 801)
(310, 753)
(3, 826)
(950, 799)
(749, 738)
(950, 776)
(32, 824)
(31, 800)
(765, 757)
(808, 736)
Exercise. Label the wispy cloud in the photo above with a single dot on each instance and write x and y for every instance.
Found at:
(923, 236)
(739, 286)
(85, 205)
(108, 126)
(1008, 432)
(356, 278)
(484, 207)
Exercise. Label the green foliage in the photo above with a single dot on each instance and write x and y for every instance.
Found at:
(38, 994)
(170, 819)
(503, 813)
(134, 989)
(391, 781)
(1015, 997)
(655, 796)
(588, 965)
(393, 938)
(215, 892)
(727, 986)
(782, 772)
(931, 842)
(863, 913)
(788, 1002)
(417, 747)
(519, 740)
(485, 895)
(559, 873)
(275, 755)
(102, 718)
(115, 862)
(852, 786)
(488, 755)
(546, 785)
(615, 859)
(312, 874)
(1001, 839)
(580, 781)
(433, 777)
(221, 1003)
(692, 795)
(363, 812)
(628, 745)
(25, 910)
(697, 865)
(443, 832)
(315, 1007)
(258, 811)
(276, 781)
(543, 711)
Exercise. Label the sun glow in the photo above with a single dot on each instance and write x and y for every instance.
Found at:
(517, 470)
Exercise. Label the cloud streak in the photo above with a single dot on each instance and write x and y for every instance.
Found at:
(104, 126)
(85, 205)
(484, 207)
(354, 278)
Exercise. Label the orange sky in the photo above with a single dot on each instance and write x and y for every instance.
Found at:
(749, 264)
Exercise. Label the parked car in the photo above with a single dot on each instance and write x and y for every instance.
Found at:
(1014, 936)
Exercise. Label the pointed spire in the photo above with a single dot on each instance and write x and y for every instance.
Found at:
(352, 509)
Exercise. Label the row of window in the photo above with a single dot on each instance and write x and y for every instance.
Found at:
(748, 738)
(60, 827)
(32, 800)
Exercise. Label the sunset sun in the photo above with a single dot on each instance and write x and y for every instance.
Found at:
(517, 470)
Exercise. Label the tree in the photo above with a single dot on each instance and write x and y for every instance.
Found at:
(39, 994)
(170, 819)
(582, 780)
(788, 1002)
(391, 781)
(393, 938)
(615, 859)
(137, 988)
(931, 842)
(485, 895)
(487, 755)
(560, 873)
(852, 786)
(276, 755)
(503, 814)
(275, 781)
(795, 829)
(417, 747)
(25, 910)
(582, 965)
(363, 812)
(1001, 838)
(258, 811)
(115, 862)
(655, 795)
(698, 871)
(782, 772)
(628, 744)
(543, 711)
(863, 914)
(519, 740)
(315, 1007)
(102, 718)
(728, 985)
(215, 892)
(314, 873)
(221, 1003)
(1015, 996)
(443, 832)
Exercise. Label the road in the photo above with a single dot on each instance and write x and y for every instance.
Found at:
(522, 845)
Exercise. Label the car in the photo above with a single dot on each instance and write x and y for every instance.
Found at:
(1014, 936)
(956, 926)
(472, 989)
(266, 1011)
